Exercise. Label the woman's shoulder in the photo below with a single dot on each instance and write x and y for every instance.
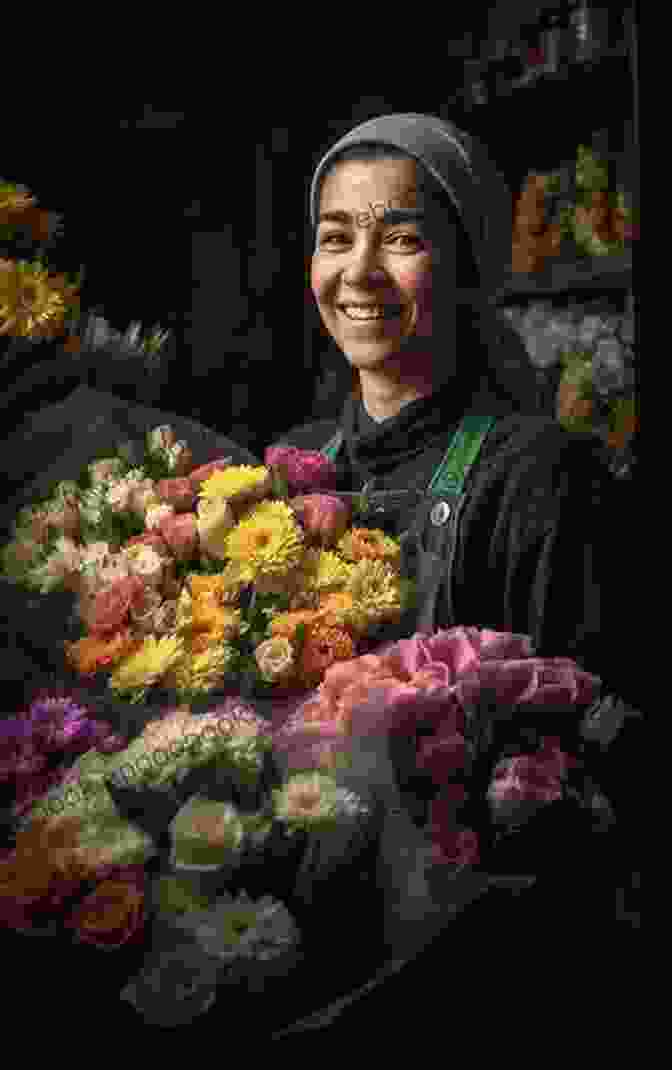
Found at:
(311, 436)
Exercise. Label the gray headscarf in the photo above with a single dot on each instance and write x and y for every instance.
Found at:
(464, 169)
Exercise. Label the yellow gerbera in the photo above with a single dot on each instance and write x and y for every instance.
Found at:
(369, 544)
(34, 303)
(238, 483)
(268, 541)
(149, 664)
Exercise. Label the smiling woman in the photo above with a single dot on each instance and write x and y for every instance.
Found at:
(390, 333)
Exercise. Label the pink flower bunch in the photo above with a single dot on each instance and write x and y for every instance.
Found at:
(305, 470)
(524, 783)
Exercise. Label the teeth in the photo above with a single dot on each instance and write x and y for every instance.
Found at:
(377, 312)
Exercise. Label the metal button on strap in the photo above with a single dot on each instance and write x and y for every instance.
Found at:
(440, 514)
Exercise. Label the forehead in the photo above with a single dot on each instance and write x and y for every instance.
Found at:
(358, 183)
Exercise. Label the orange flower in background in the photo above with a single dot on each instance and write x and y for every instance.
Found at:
(91, 654)
(627, 425)
(322, 647)
(44, 863)
(111, 915)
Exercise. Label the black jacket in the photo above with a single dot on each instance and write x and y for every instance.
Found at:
(544, 542)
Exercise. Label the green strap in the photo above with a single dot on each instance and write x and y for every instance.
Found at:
(449, 477)
(333, 446)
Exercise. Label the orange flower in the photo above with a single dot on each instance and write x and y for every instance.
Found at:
(111, 915)
(323, 646)
(285, 624)
(91, 654)
(46, 857)
(368, 545)
(329, 606)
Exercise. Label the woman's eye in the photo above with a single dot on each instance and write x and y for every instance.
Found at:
(396, 238)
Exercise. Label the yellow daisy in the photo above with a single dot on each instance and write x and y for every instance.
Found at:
(268, 541)
(238, 483)
(148, 665)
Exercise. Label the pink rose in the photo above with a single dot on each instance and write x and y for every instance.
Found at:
(305, 470)
(181, 535)
(199, 475)
(539, 682)
(176, 492)
(110, 609)
(324, 517)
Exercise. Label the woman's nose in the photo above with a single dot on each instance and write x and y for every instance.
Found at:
(363, 262)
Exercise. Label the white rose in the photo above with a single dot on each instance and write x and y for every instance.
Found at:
(275, 658)
(143, 561)
(143, 496)
(119, 496)
(156, 514)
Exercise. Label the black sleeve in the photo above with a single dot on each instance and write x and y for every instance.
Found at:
(586, 576)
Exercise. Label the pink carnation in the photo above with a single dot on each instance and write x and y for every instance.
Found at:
(176, 492)
(305, 470)
(181, 535)
(523, 783)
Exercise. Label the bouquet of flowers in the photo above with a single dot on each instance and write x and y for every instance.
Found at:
(193, 580)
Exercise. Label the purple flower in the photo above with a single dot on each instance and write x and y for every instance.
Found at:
(14, 730)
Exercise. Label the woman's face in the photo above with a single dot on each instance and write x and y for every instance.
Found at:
(373, 249)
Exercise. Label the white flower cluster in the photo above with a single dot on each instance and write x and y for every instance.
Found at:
(243, 929)
(550, 333)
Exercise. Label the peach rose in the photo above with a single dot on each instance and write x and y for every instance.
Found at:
(177, 492)
(110, 611)
(181, 535)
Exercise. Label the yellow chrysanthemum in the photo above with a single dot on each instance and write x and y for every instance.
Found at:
(323, 570)
(369, 544)
(33, 303)
(237, 483)
(149, 664)
(268, 541)
(204, 670)
(375, 588)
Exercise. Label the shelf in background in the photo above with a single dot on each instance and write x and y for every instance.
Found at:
(589, 275)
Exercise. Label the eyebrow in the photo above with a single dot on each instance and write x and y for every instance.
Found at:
(392, 215)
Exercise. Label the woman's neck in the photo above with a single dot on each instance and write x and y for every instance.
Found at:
(384, 394)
